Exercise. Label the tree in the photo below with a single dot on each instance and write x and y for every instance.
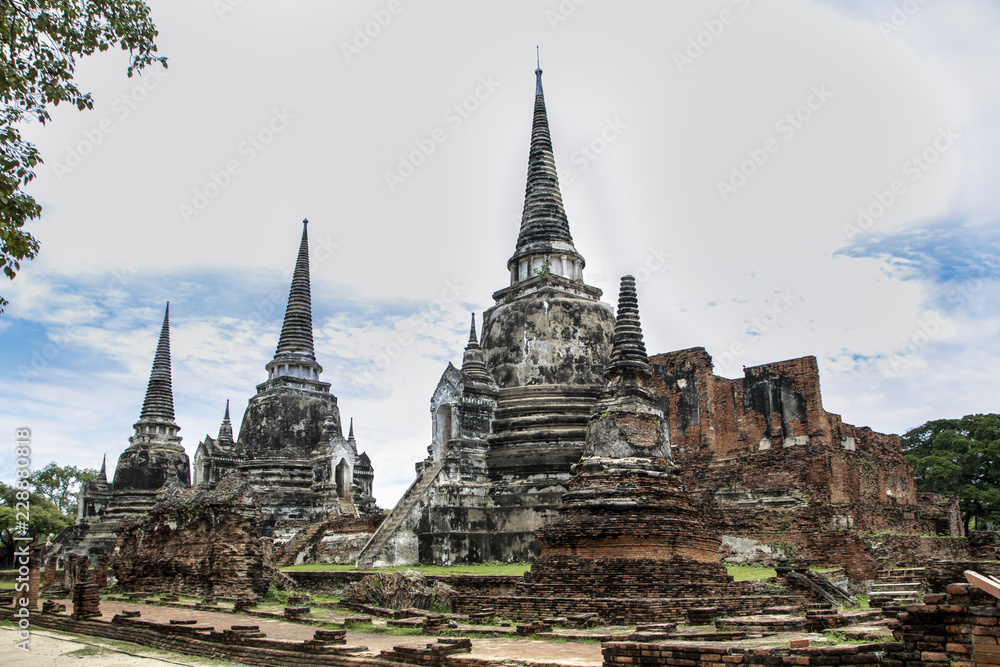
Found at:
(40, 42)
(60, 485)
(960, 456)
(44, 519)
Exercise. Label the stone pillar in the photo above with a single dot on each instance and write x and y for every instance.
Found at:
(34, 575)
(100, 573)
(49, 574)
(86, 597)
(69, 568)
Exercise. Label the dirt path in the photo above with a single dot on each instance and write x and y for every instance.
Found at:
(54, 648)
(571, 654)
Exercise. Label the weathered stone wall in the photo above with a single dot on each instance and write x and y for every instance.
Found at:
(918, 551)
(200, 543)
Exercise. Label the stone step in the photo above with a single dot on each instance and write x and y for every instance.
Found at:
(896, 595)
(902, 586)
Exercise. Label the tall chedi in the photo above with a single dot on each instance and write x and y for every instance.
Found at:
(546, 343)
(629, 543)
(155, 457)
(291, 416)
(507, 427)
(153, 466)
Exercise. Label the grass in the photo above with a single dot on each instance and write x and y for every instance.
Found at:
(7, 584)
(483, 569)
(750, 572)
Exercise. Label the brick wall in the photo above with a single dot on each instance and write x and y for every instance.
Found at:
(616, 611)
(710, 655)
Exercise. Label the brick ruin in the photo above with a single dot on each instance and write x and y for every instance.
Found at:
(291, 452)
(628, 534)
(769, 467)
(772, 467)
(203, 542)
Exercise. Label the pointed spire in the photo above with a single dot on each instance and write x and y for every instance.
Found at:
(226, 430)
(473, 366)
(544, 243)
(296, 332)
(472, 334)
(350, 432)
(156, 421)
(103, 475)
(159, 402)
(543, 218)
(628, 352)
(295, 355)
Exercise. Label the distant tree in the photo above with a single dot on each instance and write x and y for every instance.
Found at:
(40, 42)
(44, 520)
(960, 456)
(61, 484)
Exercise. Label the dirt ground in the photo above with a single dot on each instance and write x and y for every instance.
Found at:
(51, 648)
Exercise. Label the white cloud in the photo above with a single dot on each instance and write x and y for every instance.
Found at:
(115, 246)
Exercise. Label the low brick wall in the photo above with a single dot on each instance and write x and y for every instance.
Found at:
(630, 653)
(616, 611)
(959, 627)
(329, 582)
(937, 576)
(170, 639)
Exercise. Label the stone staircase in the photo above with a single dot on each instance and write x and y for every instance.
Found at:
(897, 587)
(288, 554)
(378, 551)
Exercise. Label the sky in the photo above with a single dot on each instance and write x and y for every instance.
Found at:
(783, 177)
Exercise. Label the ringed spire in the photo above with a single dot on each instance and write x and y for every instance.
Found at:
(544, 242)
(295, 355)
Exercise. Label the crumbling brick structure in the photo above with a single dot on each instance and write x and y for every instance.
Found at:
(629, 541)
(760, 452)
(203, 542)
(772, 465)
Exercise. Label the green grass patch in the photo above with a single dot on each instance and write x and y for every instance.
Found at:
(750, 572)
(480, 569)
(371, 628)
(7, 584)
(87, 652)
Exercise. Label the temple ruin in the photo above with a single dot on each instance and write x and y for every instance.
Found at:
(766, 465)
(291, 452)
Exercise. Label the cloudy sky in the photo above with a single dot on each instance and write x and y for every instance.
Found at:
(784, 178)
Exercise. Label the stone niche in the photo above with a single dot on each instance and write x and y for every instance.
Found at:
(198, 543)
